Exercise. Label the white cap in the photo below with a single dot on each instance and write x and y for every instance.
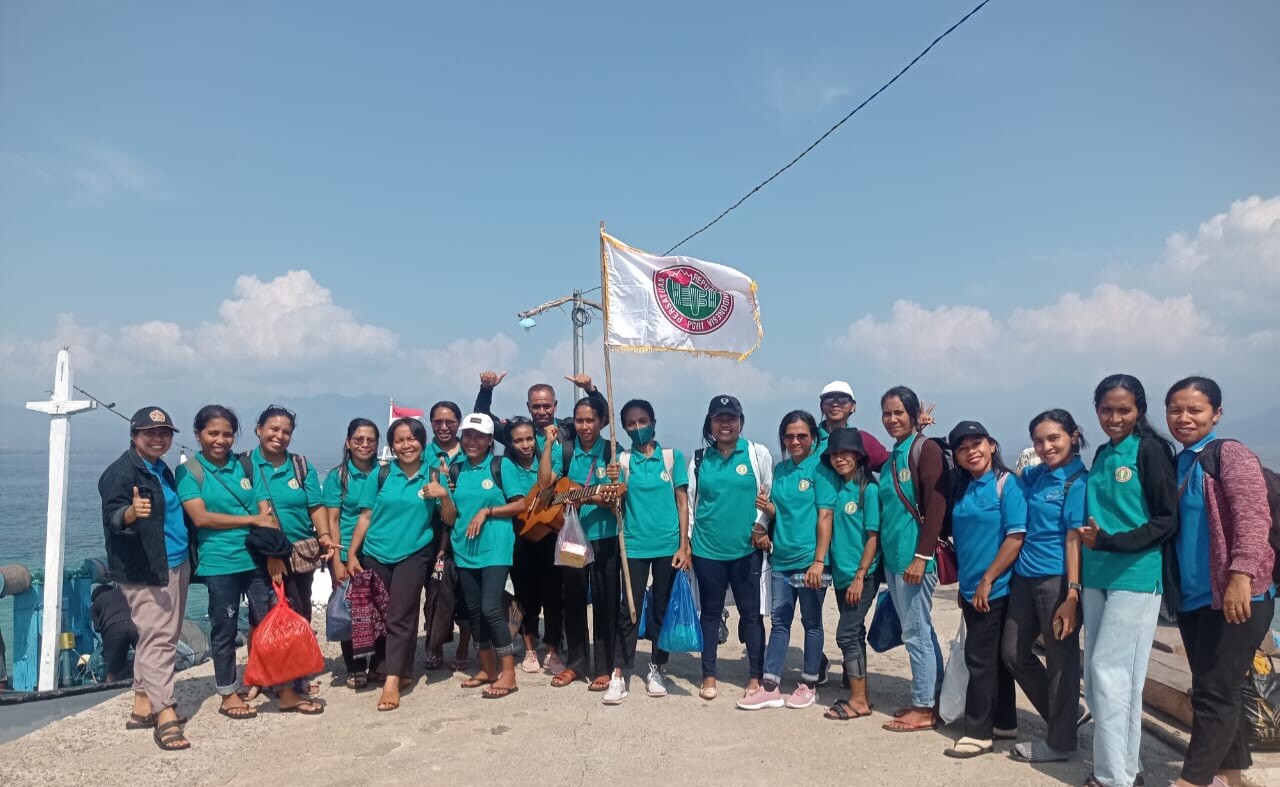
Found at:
(837, 387)
(477, 422)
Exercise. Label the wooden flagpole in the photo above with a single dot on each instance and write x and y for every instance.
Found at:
(613, 426)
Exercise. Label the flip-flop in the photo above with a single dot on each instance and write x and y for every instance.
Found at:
(250, 693)
(496, 693)
(966, 748)
(239, 713)
(316, 708)
(898, 725)
(169, 737)
(599, 684)
(388, 705)
(562, 679)
(475, 683)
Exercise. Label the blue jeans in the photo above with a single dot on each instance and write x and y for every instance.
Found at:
(1118, 628)
(225, 592)
(914, 604)
(715, 577)
(781, 614)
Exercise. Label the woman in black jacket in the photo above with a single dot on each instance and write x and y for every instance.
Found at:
(149, 555)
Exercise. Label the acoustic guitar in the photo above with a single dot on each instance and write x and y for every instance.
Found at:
(544, 506)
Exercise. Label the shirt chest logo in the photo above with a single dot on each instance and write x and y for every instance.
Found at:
(1123, 475)
(665, 476)
(422, 493)
(803, 486)
(246, 484)
(486, 484)
(293, 483)
(851, 508)
(742, 469)
(600, 473)
(904, 475)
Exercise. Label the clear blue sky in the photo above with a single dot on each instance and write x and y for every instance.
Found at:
(439, 167)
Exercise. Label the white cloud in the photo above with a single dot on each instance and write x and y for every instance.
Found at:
(1234, 256)
(94, 173)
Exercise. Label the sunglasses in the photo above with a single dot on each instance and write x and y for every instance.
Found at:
(837, 400)
(796, 438)
(282, 409)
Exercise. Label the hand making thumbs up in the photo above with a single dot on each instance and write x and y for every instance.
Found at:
(141, 505)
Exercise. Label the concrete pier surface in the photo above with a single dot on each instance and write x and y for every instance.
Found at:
(444, 734)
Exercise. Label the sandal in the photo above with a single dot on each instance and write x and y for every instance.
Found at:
(168, 736)
(357, 681)
(563, 679)
(315, 710)
(477, 682)
(965, 748)
(709, 693)
(498, 692)
(898, 725)
(239, 712)
(599, 684)
(460, 663)
(137, 722)
(433, 662)
(385, 704)
(843, 710)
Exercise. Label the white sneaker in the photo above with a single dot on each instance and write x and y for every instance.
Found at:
(655, 685)
(616, 693)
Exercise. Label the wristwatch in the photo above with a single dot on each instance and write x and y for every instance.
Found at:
(1076, 586)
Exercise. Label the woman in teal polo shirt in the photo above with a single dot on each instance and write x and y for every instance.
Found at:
(483, 540)
(291, 486)
(223, 505)
(913, 503)
(726, 477)
(1131, 498)
(988, 525)
(590, 464)
(444, 451)
(656, 521)
(394, 539)
(1044, 592)
(855, 562)
(342, 490)
(800, 505)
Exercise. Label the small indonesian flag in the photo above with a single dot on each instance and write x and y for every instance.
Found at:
(678, 304)
(405, 412)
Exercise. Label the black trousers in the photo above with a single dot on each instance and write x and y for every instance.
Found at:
(991, 700)
(405, 581)
(539, 589)
(1052, 687)
(116, 641)
(481, 591)
(354, 665)
(606, 609)
(1219, 654)
(297, 591)
(664, 577)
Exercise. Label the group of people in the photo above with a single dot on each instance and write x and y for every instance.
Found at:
(1039, 555)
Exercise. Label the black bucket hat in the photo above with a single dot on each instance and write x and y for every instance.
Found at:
(845, 440)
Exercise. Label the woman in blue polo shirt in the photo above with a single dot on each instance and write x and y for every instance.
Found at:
(223, 505)
(726, 478)
(394, 539)
(1131, 498)
(1044, 593)
(855, 562)
(656, 516)
(589, 464)
(988, 521)
(1224, 569)
(482, 540)
(800, 505)
(341, 493)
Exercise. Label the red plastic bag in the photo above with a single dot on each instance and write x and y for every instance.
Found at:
(283, 648)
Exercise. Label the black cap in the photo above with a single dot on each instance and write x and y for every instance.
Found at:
(724, 404)
(845, 440)
(151, 418)
(966, 429)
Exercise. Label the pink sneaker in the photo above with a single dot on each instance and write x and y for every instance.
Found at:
(760, 699)
(802, 697)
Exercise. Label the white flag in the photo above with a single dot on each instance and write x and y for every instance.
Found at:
(680, 304)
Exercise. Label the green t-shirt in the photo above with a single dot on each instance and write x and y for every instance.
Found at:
(475, 490)
(225, 490)
(400, 524)
(899, 531)
(349, 503)
(725, 505)
(524, 479)
(292, 501)
(588, 468)
(1114, 498)
(651, 520)
(799, 490)
(857, 513)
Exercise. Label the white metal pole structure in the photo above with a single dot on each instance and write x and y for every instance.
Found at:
(60, 407)
(578, 314)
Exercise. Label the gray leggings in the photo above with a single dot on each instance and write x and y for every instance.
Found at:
(482, 598)
(851, 630)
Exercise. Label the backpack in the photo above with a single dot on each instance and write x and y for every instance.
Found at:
(299, 467)
(455, 470)
(948, 472)
(566, 454)
(668, 461)
(1210, 461)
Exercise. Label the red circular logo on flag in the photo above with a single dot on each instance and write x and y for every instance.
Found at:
(690, 301)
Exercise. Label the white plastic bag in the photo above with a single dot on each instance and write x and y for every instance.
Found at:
(955, 680)
(766, 587)
(572, 547)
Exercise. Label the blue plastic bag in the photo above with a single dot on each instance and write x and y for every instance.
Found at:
(642, 624)
(886, 628)
(681, 630)
(337, 617)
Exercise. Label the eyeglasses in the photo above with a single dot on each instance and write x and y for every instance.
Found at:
(282, 409)
(796, 438)
(443, 422)
(363, 441)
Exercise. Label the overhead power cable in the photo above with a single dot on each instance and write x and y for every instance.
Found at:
(831, 130)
